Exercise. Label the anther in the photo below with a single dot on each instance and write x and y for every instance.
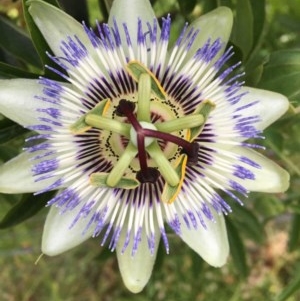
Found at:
(148, 175)
(192, 153)
(125, 107)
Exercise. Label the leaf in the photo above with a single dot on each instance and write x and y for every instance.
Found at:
(8, 71)
(242, 31)
(198, 264)
(259, 14)
(186, 7)
(78, 11)
(104, 9)
(237, 249)
(38, 40)
(16, 42)
(28, 206)
(282, 74)
(248, 223)
(10, 130)
(294, 235)
(253, 76)
(8, 152)
(291, 288)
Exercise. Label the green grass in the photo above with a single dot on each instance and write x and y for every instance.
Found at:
(85, 274)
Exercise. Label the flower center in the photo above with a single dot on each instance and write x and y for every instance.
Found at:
(143, 137)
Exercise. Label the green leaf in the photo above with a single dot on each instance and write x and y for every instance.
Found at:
(253, 76)
(208, 5)
(294, 235)
(282, 74)
(291, 288)
(258, 8)
(237, 249)
(16, 42)
(269, 206)
(8, 71)
(242, 31)
(8, 152)
(186, 7)
(28, 206)
(248, 223)
(198, 264)
(38, 39)
(10, 130)
(79, 11)
(104, 9)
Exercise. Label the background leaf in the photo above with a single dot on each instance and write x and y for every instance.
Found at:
(27, 207)
(186, 7)
(8, 71)
(15, 41)
(258, 8)
(294, 235)
(10, 130)
(247, 223)
(242, 31)
(291, 288)
(38, 40)
(282, 74)
(237, 249)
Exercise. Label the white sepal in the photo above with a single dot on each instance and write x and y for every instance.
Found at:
(18, 102)
(129, 12)
(136, 270)
(271, 105)
(211, 243)
(16, 176)
(56, 26)
(216, 24)
(59, 236)
(269, 176)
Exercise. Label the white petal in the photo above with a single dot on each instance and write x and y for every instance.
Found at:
(16, 176)
(56, 25)
(271, 105)
(136, 270)
(17, 100)
(58, 237)
(216, 24)
(210, 243)
(129, 12)
(270, 177)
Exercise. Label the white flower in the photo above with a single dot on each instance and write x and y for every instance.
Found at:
(139, 134)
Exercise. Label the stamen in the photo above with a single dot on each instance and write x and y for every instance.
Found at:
(205, 107)
(122, 164)
(136, 69)
(170, 193)
(144, 95)
(108, 124)
(99, 179)
(186, 122)
(80, 126)
(163, 164)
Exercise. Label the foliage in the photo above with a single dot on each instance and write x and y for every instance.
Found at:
(266, 40)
